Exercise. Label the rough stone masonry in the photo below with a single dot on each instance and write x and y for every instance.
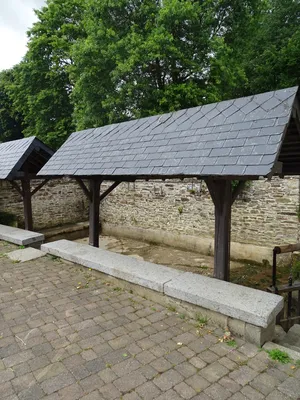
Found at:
(265, 214)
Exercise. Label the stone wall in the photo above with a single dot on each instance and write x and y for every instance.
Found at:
(265, 214)
(59, 202)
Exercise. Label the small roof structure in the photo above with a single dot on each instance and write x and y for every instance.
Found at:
(17, 154)
(21, 160)
(240, 139)
(236, 138)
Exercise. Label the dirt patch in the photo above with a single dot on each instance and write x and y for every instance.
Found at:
(256, 276)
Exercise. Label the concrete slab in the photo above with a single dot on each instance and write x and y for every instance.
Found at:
(152, 276)
(20, 236)
(249, 305)
(23, 255)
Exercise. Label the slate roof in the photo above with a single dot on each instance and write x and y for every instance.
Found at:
(240, 137)
(13, 154)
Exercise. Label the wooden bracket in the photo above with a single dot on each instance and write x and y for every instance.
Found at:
(237, 190)
(110, 189)
(84, 188)
(39, 186)
(17, 187)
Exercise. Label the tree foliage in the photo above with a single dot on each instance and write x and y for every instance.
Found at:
(11, 121)
(93, 62)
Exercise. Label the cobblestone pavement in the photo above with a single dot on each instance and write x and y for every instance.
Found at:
(67, 334)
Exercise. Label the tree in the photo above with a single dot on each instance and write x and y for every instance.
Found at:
(146, 57)
(272, 61)
(11, 121)
(42, 86)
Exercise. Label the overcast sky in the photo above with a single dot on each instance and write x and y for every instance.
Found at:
(16, 16)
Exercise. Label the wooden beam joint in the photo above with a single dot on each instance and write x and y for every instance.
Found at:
(86, 191)
(36, 189)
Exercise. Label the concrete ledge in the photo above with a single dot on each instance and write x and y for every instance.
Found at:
(142, 273)
(249, 305)
(20, 236)
(249, 313)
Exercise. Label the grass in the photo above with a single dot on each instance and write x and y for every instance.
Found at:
(231, 343)
(181, 316)
(258, 276)
(172, 308)
(280, 356)
(201, 320)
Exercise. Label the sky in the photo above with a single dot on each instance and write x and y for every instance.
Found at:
(16, 16)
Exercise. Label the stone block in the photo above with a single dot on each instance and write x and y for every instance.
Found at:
(142, 273)
(20, 236)
(23, 255)
(239, 302)
(259, 335)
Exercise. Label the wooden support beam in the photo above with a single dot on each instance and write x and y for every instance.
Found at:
(221, 194)
(36, 189)
(84, 188)
(17, 187)
(27, 204)
(94, 212)
(110, 189)
(237, 190)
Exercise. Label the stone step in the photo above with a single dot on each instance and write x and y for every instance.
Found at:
(292, 339)
(294, 354)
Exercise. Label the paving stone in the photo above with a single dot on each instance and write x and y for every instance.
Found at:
(229, 384)
(31, 393)
(129, 381)
(72, 392)
(167, 380)
(218, 392)
(91, 383)
(125, 367)
(186, 369)
(276, 395)
(58, 382)
(290, 387)
(214, 372)
(265, 383)
(110, 392)
(148, 391)
(197, 383)
(184, 390)
(208, 356)
(243, 375)
(251, 393)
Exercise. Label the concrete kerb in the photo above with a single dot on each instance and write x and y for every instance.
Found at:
(21, 237)
(248, 313)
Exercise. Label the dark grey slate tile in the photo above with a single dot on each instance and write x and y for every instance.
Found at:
(265, 149)
(257, 170)
(212, 170)
(230, 160)
(220, 152)
(233, 170)
(256, 140)
(171, 162)
(240, 151)
(249, 160)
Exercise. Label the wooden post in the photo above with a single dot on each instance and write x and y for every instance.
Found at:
(94, 217)
(221, 194)
(27, 203)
